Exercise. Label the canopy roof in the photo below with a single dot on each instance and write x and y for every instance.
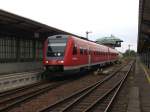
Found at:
(14, 24)
(108, 40)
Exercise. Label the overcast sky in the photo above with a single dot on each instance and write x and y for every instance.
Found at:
(102, 17)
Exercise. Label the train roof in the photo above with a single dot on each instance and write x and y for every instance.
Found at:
(92, 43)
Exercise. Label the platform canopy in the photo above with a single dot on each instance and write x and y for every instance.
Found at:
(15, 24)
(144, 26)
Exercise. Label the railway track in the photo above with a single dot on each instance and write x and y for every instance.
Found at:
(17, 90)
(11, 98)
(97, 97)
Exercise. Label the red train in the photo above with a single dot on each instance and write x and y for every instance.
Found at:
(66, 53)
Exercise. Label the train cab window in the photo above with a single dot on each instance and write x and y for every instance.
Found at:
(56, 46)
(74, 50)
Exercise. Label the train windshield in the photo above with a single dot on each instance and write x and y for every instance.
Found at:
(56, 48)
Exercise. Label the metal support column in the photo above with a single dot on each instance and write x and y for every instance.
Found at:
(34, 49)
(17, 49)
(148, 57)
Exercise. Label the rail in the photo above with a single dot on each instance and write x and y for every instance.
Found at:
(87, 98)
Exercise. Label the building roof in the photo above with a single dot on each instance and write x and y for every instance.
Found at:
(109, 40)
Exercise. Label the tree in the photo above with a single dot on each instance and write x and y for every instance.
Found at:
(131, 53)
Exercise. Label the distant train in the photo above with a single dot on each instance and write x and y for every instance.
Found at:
(67, 53)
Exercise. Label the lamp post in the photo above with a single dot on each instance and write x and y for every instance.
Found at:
(87, 32)
(129, 49)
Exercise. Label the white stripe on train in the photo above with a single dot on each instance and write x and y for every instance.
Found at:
(86, 65)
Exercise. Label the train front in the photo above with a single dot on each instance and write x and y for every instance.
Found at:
(54, 51)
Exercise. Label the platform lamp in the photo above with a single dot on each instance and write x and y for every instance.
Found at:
(129, 49)
(87, 32)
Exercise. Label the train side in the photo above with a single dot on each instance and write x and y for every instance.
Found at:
(68, 53)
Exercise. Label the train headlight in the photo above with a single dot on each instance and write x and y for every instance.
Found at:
(61, 61)
(46, 61)
(58, 54)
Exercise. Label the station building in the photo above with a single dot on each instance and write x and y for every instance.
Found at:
(144, 32)
(111, 41)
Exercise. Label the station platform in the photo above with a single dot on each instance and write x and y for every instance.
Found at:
(139, 100)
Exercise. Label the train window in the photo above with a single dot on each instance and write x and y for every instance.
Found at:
(55, 51)
(56, 47)
(81, 51)
(74, 50)
(97, 52)
(85, 51)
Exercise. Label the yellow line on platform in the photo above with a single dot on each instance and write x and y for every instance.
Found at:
(146, 73)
